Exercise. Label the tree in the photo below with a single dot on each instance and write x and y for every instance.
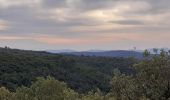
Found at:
(5, 94)
(146, 53)
(93, 96)
(151, 80)
(153, 76)
(155, 50)
(46, 89)
(124, 87)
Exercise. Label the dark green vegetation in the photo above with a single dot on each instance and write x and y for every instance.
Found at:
(149, 81)
(18, 67)
(49, 89)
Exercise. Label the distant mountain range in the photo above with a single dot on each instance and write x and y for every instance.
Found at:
(105, 53)
(61, 51)
(102, 53)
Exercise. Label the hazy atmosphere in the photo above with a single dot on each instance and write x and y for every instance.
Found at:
(84, 24)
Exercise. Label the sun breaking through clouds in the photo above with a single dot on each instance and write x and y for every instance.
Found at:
(84, 24)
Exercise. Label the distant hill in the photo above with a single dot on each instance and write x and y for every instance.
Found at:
(100, 53)
(112, 53)
(61, 51)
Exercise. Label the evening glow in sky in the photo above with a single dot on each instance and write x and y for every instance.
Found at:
(84, 24)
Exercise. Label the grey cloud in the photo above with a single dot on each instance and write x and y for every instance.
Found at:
(128, 22)
(24, 20)
(54, 3)
(95, 4)
(138, 30)
(160, 5)
(80, 5)
(157, 7)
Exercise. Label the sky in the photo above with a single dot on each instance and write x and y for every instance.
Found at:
(84, 24)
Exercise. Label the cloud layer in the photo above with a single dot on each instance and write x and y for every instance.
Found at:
(97, 24)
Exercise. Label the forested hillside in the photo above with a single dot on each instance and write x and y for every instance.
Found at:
(81, 73)
(151, 81)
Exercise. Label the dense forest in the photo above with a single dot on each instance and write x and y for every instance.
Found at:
(81, 73)
(30, 75)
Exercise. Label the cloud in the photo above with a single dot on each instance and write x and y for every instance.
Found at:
(56, 40)
(11, 38)
(54, 3)
(3, 25)
(75, 21)
(16, 3)
(128, 22)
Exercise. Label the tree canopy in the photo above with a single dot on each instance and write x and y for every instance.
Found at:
(150, 80)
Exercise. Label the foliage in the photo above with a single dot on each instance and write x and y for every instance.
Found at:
(151, 81)
(124, 87)
(46, 89)
(5, 94)
(93, 95)
(81, 73)
(42, 89)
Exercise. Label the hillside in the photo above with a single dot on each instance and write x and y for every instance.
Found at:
(81, 73)
(151, 80)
